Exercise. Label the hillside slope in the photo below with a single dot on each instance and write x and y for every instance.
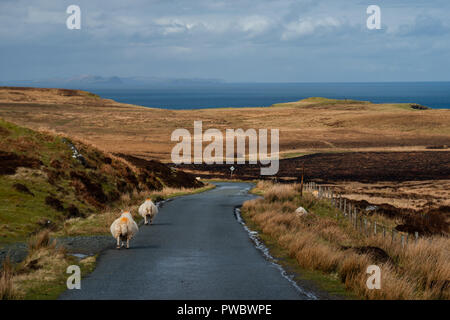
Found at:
(46, 179)
(314, 125)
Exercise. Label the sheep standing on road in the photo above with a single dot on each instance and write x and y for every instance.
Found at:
(124, 228)
(148, 210)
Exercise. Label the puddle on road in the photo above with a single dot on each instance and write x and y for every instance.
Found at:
(253, 235)
(244, 191)
(228, 187)
(79, 255)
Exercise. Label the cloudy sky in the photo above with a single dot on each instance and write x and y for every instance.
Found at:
(234, 40)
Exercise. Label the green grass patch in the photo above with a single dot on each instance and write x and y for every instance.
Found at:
(318, 101)
(51, 289)
(20, 212)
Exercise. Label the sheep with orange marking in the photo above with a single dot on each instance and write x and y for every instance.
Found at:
(123, 229)
(148, 210)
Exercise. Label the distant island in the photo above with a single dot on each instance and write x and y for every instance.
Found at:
(111, 82)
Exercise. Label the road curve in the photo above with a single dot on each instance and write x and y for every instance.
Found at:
(195, 250)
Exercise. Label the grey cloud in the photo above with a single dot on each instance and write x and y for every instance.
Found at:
(276, 40)
(424, 25)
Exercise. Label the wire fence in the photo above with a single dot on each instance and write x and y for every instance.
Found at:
(346, 209)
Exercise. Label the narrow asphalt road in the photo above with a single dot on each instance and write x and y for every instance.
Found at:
(196, 249)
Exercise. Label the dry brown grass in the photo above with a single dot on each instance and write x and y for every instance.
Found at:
(414, 195)
(39, 274)
(40, 241)
(305, 126)
(420, 205)
(320, 242)
(99, 223)
(8, 290)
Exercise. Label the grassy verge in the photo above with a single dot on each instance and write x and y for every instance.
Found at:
(329, 283)
(230, 180)
(318, 242)
(42, 275)
(169, 193)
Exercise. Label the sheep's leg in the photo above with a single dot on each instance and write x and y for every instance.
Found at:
(145, 218)
(118, 242)
(128, 243)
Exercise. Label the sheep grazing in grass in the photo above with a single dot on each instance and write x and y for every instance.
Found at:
(124, 228)
(148, 210)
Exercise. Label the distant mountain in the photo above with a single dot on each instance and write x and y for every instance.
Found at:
(95, 81)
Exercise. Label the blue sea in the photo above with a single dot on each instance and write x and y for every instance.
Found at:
(431, 94)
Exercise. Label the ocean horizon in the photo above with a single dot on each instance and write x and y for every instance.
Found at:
(435, 95)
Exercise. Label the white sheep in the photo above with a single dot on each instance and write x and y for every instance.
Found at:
(124, 228)
(148, 210)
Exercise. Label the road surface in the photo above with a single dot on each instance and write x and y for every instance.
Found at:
(196, 249)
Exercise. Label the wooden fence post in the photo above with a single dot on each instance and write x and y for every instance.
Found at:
(403, 241)
(375, 228)
(301, 183)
